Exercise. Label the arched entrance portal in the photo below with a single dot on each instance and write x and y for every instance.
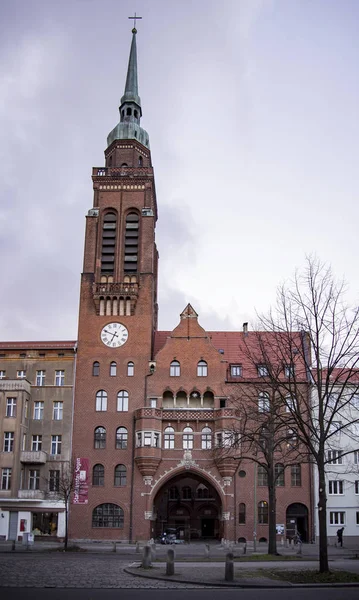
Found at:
(297, 521)
(191, 505)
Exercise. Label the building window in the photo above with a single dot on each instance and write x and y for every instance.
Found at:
(206, 438)
(21, 374)
(36, 443)
(108, 243)
(289, 371)
(292, 438)
(130, 369)
(279, 474)
(153, 402)
(236, 370)
(131, 243)
(6, 478)
(356, 485)
(263, 402)
(242, 513)
(187, 438)
(186, 493)
(121, 438)
(38, 411)
(336, 487)
(120, 475)
(262, 476)
(337, 518)
(100, 437)
(175, 369)
(8, 441)
(11, 407)
(202, 491)
(40, 378)
(34, 479)
(173, 493)
(169, 438)
(2, 374)
(113, 369)
(57, 411)
(122, 401)
(147, 438)
(60, 378)
(54, 480)
(335, 457)
(263, 512)
(96, 369)
(290, 403)
(101, 401)
(262, 371)
(98, 475)
(56, 444)
(202, 369)
(296, 475)
(108, 515)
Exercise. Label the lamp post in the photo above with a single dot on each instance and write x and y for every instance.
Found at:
(255, 509)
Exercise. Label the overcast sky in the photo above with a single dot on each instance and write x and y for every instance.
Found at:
(252, 111)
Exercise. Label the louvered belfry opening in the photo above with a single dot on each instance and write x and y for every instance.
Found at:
(108, 243)
(131, 243)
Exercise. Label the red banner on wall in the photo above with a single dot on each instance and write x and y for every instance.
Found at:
(81, 486)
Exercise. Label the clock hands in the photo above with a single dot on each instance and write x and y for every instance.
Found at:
(110, 333)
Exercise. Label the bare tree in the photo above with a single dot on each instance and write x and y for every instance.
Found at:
(328, 349)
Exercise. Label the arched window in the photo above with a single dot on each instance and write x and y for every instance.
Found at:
(101, 400)
(130, 369)
(113, 369)
(108, 515)
(169, 438)
(131, 243)
(96, 369)
(186, 493)
(121, 438)
(173, 493)
(263, 402)
(263, 512)
(100, 437)
(108, 243)
(279, 474)
(122, 401)
(206, 440)
(202, 491)
(128, 112)
(140, 161)
(135, 113)
(187, 438)
(98, 475)
(202, 369)
(175, 369)
(262, 476)
(242, 513)
(120, 475)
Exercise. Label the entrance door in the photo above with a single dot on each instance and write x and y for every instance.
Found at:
(13, 525)
(207, 528)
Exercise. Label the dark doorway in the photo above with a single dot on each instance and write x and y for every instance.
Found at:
(207, 528)
(297, 521)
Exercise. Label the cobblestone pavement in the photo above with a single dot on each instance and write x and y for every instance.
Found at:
(60, 570)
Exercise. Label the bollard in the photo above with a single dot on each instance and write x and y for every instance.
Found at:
(229, 570)
(299, 553)
(146, 559)
(13, 545)
(287, 543)
(137, 547)
(292, 543)
(170, 564)
(114, 547)
(206, 551)
(245, 548)
(153, 551)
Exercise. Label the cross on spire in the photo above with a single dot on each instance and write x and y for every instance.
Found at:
(134, 30)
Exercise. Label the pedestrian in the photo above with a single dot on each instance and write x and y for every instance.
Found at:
(340, 536)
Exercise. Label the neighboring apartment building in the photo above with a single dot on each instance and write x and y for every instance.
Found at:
(342, 468)
(36, 398)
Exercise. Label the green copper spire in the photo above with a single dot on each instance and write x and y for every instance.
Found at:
(131, 87)
(129, 127)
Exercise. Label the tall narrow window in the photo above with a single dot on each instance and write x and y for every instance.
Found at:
(169, 438)
(98, 475)
(101, 400)
(120, 475)
(263, 402)
(54, 480)
(96, 369)
(36, 443)
(242, 513)
(130, 369)
(295, 475)
(34, 479)
(122, 401)
(6, 478)
(279, 474)
(8, 441)
(108, 243)
(59, 377)
(131, 243)
(100, 437)
(11, 407)
(57, 411)
(175, 369)
(206, 442)
(202, 368)
(40, 378)
(263, 512)
(38, 410)
(113, 369)
(56, 444)
(121, 438)
(187, 438)
(262, 476)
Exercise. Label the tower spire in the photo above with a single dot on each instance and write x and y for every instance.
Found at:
(129, 127)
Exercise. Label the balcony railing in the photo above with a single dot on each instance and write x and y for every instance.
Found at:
(118, 172)
(185, 414)
(15, 385)
(33, 458)
(31, 494)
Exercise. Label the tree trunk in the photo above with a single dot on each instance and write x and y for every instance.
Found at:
(322, 513)
(272, 516)
(66, 525)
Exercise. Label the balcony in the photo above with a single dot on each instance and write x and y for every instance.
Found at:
(186, 414)
(15, 385)
(33, 458)
(31, 494)
(119, 172)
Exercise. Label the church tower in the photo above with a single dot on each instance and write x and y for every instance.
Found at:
(117, 321)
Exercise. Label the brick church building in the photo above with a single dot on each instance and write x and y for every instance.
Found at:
(149, 406)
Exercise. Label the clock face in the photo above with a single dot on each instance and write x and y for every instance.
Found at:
(114, 335)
